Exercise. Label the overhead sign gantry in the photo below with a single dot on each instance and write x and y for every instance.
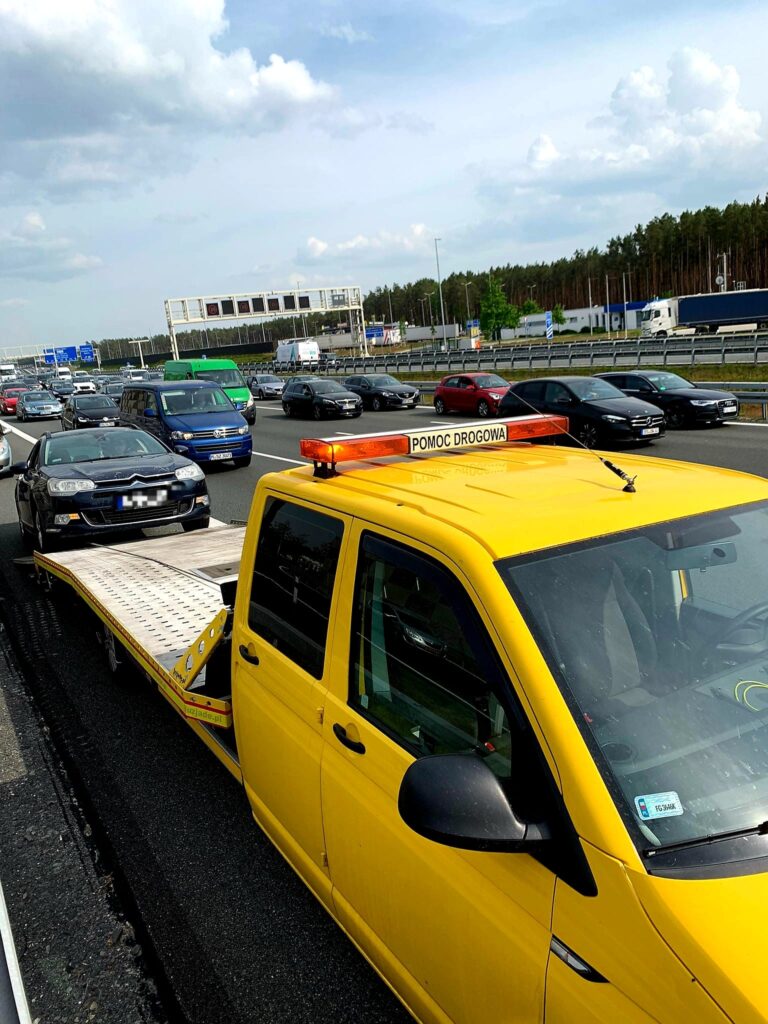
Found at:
(201, 309)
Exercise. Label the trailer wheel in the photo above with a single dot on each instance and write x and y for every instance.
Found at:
(118, 662)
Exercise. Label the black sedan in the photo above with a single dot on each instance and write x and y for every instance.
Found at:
(89, 411)
(598, 413)
(682, 402)
(105, 482)
(62, 388)
(320, 398)
(113, 390)
(380, 391)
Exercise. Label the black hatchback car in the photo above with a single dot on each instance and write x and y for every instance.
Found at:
(320, 398)
(380, 391)
(682, 402)
(598, 413)
(89, 411)
(105, 482)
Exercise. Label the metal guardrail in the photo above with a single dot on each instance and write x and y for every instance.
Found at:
(13, 1001)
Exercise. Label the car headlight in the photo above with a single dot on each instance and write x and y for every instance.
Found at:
(181, 435)
(3, 446)
(388, 394)
(70, 486)
(249, 403)
(191, 472)
(242, 430)
(703, 401)
(614, 419)
(494, 396)
(83, 419)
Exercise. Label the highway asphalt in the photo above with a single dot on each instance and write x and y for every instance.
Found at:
(229, 932)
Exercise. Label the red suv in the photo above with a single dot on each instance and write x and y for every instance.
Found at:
(476, 393)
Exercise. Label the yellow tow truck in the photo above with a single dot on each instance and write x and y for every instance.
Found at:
(502, 705)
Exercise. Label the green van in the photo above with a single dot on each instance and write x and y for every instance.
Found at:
(224, 372)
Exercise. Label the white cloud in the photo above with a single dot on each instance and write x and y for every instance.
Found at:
(26, 251)
(366, 248)
(13, 303)
(674, 140)
(347, 33)
(103, 87)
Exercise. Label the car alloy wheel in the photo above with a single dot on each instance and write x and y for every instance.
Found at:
(676, 417)
(439, 406)
(588, 435)
(287, 409)
(376, 404)
(42, 542)
(260, 395)
(483, 409)
(26, 537)
(317, 412)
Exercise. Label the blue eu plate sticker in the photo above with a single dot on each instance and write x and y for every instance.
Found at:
(658, 805)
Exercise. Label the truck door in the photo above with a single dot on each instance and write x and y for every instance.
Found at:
(465, 935)
(280, 665)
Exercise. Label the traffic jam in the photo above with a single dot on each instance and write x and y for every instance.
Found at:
(527, 749)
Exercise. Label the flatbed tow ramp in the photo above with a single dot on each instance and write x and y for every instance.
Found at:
(163, 601)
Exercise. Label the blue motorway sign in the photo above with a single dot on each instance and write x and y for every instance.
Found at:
(548, 322)
(86, 354)
(374, 332)
(60, 355)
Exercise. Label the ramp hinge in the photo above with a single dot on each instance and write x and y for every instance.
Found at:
(320, 715)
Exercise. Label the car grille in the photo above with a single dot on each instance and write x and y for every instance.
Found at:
(647, 421)
(137, 516)
(201, 435)
(157, 480)
(219, 446)
(729, 412)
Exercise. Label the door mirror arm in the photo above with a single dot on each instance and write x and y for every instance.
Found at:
(456, 800)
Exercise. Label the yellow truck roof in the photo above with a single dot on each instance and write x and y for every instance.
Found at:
(520, 497)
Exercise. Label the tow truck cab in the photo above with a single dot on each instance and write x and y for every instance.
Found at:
(505, 713)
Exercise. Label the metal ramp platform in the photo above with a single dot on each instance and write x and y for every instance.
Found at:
(162, 600)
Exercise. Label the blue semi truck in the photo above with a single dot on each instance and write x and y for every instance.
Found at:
(705, 314)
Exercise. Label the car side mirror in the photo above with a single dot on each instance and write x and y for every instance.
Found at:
(456, 800)
(14, 469)
(150, 412)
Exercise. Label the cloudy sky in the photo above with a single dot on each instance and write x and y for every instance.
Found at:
(152, 150)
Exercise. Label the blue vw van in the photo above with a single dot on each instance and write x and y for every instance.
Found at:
(194, 418)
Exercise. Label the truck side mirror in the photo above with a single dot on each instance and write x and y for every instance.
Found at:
(456, 800)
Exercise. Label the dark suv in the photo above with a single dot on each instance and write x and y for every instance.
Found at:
(682, 402)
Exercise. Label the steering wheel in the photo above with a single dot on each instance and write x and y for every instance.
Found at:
(721, 645)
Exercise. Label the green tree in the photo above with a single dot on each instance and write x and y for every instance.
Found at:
(495, 312)
(558, 316)
(403, 328)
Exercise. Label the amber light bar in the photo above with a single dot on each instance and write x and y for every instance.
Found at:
(329, 451)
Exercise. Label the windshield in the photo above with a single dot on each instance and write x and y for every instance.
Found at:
(665, 381)
(658, 639)
(590, 389)
(326, 387)
(205, 400)
(266, 378)
(95, 445)
(38, 396)
(94, 402)
(226, 378)
(490, 380)
(383, 380)
(15, 392)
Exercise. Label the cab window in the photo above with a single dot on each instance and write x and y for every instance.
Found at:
(293, 576)
(556, 393)
(422, 667)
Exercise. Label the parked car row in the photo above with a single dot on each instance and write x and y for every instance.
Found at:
(603, 409)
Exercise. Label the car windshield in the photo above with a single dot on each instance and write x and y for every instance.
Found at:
(15, 392)
(94, 402)
(38, 396)
(226, 378)
(658, 639)
(192, 400)
(667, 381)
(266, 378)
(327, 387)
(383, 380)
(590, 389)
(490, 380)
(96, 445)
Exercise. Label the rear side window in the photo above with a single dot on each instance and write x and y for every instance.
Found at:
(293, 577)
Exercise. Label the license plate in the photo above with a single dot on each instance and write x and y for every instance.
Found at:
(729, 408)
(142, 500)
(649, 430)
(218, 456)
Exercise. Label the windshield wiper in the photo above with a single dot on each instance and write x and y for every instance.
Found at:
(713, 837)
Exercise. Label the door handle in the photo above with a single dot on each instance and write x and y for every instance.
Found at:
(248, 655)
(341, 735)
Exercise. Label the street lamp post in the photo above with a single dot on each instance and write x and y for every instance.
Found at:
(530, 288)
(624, 296)
(423, 314)
(140, 342)
(467, 286)
(440, 289)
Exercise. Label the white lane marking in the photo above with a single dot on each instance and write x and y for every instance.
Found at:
(734, 423)
(439, 422)
(344, 433)
(20, 433)
(12, 765)
(279, 458)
